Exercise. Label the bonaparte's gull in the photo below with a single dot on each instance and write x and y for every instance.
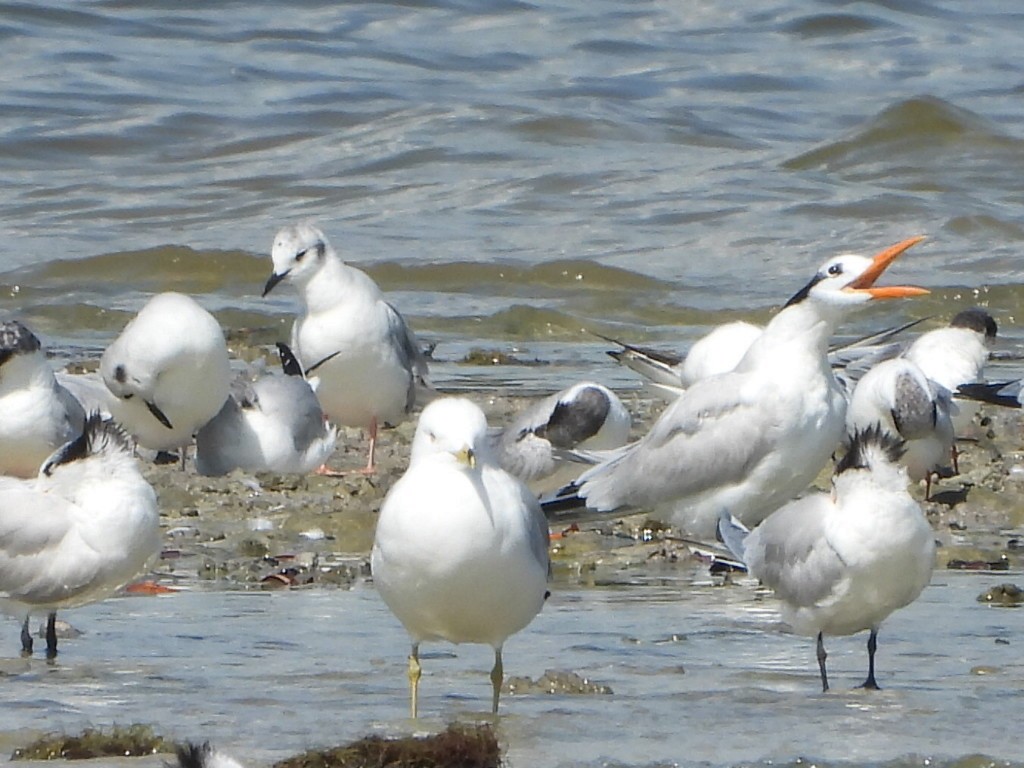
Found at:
(85, 526)
(168, 371)
(461, 548)
(841, 562)
(751, 439)
(273, 423)
(586, 415)
(37, 415)
(368, 361)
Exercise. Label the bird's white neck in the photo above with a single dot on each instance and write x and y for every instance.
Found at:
(335, 281)
(801, 327)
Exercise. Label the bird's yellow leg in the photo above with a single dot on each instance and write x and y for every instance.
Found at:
(497, 675)
(415, 672)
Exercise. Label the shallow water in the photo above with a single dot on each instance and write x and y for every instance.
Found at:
(700, 674)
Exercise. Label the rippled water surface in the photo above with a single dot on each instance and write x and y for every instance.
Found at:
(699, 674)
(517, 176)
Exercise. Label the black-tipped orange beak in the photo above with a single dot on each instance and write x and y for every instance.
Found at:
(879, 264)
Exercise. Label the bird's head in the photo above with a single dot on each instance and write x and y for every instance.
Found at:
(453, 428)
(298, 252)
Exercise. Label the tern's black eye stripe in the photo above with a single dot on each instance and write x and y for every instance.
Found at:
(301, 255)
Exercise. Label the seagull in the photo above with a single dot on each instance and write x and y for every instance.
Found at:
(367, 359)
(37, 415)
(271, 424)
(461, 547)
(586, 415)
(906, 404)
(841, 562)
(168, 371)
(81, 529)
(956, 355)
(751, 439)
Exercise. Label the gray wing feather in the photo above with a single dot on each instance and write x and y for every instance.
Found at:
(790, 552)
(710, 436)
(409, 352)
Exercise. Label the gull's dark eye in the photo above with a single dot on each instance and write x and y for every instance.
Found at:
(835, 269)
(301, 255)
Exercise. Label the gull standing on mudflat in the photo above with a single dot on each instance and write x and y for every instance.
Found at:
(841, 562)
(751, 439)
(81, 529)
(168, 371)
(368, 361)
(461, 547)
(586, 415)
(37, 415)
(896, 396)
(956, 355)
(271, 424)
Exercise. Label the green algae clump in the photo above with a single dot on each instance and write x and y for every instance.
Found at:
(456, 747)
(132, 741)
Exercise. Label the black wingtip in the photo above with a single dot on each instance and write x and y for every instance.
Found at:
(998, 393)
(289, 362)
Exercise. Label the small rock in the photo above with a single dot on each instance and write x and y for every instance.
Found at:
(1003, 595)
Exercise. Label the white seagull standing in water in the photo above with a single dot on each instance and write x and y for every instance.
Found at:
(368, 362)
(168, 371)
(37, 414)
(461, 548)
(79, 531)
(842, 562)
(751, 439)
(587, 416)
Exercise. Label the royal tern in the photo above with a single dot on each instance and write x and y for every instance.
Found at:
(841, 562)
(168, 371)
(461, 548)
(906, 404)
(367, 359)
(751, 439)
(956, 355)
(37, 415)
(586, 415)
(273, 423)
(82, 528)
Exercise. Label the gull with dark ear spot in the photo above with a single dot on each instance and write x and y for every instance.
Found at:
(585, 416)
(37, 414)
(80, 530)
(270, 422)
(367, 361)
(461, 548)
(841, 562)
(750, 439)
(168, 372)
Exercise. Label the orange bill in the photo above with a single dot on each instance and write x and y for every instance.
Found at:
(878, 265)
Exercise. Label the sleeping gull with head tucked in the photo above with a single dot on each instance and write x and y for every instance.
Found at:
(366, 358)
(461, 547)
(168, 371)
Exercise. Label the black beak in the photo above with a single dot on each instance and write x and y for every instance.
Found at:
(273, 280)
(158, 414)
